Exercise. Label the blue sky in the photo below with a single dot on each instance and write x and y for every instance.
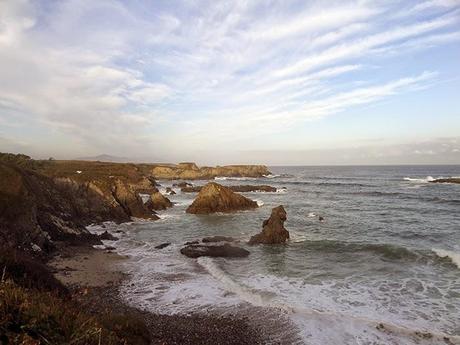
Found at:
(276, 82)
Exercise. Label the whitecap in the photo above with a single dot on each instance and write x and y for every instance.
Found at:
(419, 180)
(454, 257)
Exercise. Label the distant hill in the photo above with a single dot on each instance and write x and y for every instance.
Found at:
(107, 158)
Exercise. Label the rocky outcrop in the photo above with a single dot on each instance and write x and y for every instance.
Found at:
(239, 189)
(446, 180)
(158, 201)
(223, 251)
(218, 239)
(273, 231)
(190, 171)
(131, 202)
(216, 198)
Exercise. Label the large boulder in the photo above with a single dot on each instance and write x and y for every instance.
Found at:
(273, 231)
(223, 251)
(216, 198)
(158, 201)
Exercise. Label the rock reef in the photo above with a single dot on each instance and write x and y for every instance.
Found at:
(238, 189)
(190, 171)
(214, 197)
(447, 180)
(223, 251)
(273, 231)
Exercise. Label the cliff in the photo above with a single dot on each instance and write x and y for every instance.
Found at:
(36, 210)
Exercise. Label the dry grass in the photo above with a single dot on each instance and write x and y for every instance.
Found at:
(35, 308)
(28, 316)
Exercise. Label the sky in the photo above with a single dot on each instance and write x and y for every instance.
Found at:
(244, 81)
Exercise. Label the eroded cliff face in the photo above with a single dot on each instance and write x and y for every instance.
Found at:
(190, 171)
(36, 210)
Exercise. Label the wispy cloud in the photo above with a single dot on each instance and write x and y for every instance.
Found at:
(127, 73)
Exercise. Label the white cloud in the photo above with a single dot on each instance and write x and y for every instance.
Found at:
(110, 72)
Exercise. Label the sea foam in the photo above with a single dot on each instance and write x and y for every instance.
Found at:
(454, 257)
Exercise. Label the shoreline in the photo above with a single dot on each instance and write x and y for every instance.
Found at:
(94, 277)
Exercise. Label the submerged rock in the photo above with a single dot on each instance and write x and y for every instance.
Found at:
(216, 198)
(163, 245)
(218, 239)
(224, 251)
(158, 201)
(446, 180)
(182, 184)
(107, 236)
(273, 231)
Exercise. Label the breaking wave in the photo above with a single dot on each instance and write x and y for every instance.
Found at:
(419, 180)
(454, 257)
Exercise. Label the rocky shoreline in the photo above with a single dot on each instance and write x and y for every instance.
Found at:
(47, 255)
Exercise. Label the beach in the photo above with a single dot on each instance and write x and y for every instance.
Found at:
(94, 277)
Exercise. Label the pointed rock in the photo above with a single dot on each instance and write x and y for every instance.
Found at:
(273, 231)
(216, 198)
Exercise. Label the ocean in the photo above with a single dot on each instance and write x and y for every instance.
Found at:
(382, 268)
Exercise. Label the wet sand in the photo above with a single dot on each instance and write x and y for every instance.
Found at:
(87, 267)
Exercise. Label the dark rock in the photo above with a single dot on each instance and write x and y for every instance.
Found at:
(218, 239)
(163, 245)
(170, 191)
(446, 180)
(194, 189)
(216, 198)
(106, 236)
(182, 184)
(224, 251)
(191, 242)
(273, 228)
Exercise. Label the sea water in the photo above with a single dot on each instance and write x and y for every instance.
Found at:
(382, 268)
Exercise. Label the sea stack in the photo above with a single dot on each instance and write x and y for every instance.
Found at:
(273, 231)
(214, 197)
